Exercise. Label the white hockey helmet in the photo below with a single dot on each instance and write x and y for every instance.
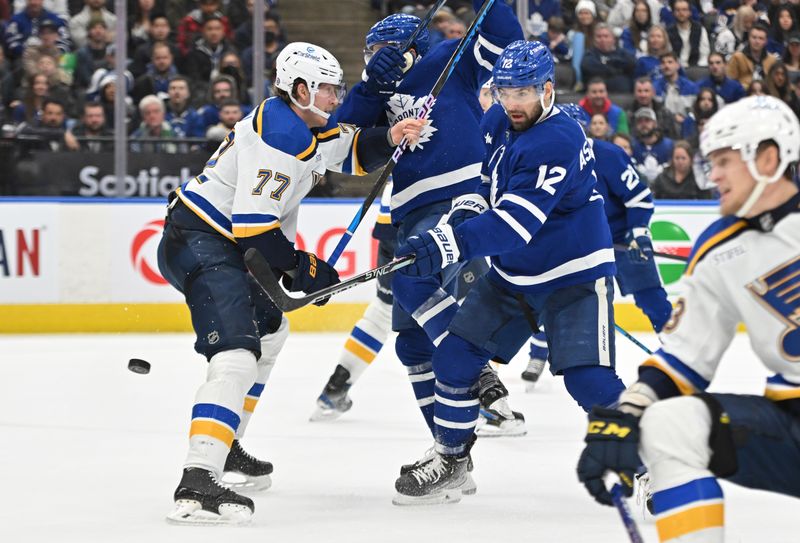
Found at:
(743, 126)
(312, 64)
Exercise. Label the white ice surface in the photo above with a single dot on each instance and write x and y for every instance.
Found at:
(91, 452)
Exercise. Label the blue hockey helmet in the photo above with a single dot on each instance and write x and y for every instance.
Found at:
(524, 64)
(577, 113)
(396, 29)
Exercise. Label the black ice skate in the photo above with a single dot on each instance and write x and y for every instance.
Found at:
(200, 499)
(436, 481)
(334, 401)
(468, 487)
(244, 472)
(532, 373)
(496, 418)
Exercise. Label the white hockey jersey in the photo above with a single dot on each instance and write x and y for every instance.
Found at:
(739, 271)
(268, 163)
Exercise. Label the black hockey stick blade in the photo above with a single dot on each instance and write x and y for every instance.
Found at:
(262, 272)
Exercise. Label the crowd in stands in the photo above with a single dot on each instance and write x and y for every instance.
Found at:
(649, 72)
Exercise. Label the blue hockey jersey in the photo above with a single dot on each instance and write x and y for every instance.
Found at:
(628, 201)
(446, 162)
(546, 228)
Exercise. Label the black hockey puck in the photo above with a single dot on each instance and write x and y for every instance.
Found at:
(137, 365)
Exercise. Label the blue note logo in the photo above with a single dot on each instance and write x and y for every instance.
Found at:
(779, 291)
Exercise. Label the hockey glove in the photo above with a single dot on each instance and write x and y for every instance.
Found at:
(310, 275)
(465, 207)
(435, 249)
(612, 443)
(640, 246)
(384, 70)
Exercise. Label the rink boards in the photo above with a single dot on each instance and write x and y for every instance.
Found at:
(89, 265)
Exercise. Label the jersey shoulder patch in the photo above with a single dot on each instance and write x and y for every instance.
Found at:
(720, 231)
(280, 128)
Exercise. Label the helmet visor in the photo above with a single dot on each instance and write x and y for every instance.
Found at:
(369, 52)
(523, 96)
(328, 90)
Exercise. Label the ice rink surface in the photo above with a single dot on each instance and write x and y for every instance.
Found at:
(92, 452)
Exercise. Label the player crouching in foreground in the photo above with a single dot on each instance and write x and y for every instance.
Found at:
(744, 268)
(551, 255)
(248, 195)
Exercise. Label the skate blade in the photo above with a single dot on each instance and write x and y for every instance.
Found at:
(325, 415)
(191, 513)
(468, 487)
(239, 482)
(511, 428)
(450, 495)
(530, 386)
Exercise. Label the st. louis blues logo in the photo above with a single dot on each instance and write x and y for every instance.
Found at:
(779, 291)
(405, 106)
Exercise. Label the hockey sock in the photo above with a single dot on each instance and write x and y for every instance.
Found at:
(217, 408)
(435, 313)
(458, 365)
(654, 303)
(539, 349)
(366, 339)
(271, 346)
(691, 512)
(593, 385)
(415, 350)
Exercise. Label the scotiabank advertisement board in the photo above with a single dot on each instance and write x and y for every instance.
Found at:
(73, 251)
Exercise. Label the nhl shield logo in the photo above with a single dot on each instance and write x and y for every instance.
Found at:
(213, 337)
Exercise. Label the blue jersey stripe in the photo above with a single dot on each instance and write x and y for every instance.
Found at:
(693, 491)
(252, 218)
(256, 390)
(366, 339)
(216, 412)
(208, 208)
(692, 376)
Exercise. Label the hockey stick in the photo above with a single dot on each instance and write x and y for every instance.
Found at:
(262, 272)
(668, 256)
(401, 148)
(635, 341)
(423, 24)
(625, 514)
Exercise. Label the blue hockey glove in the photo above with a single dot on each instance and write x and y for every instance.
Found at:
(612, 443)
(312, 274)
(465, 207)
(640, 245)
(384, 70)
(435, 249)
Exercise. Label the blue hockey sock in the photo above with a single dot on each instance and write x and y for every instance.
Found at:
(539, 349)
(435, 314)
(593, 385)
(654, 303)
(415, 351)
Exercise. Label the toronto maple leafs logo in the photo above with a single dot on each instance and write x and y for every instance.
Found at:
(405, 106)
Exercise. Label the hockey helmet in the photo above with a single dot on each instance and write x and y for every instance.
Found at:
(396, 29)
(576, 113)
(314, 65)
(524, 64)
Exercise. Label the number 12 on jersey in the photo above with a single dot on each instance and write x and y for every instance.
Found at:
(264, 176)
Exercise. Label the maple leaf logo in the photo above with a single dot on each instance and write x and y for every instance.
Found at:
(405, 106)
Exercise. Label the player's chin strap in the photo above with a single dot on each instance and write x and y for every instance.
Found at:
(761, 183)
(310, 107)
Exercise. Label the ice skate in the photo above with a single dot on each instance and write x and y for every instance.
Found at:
(244, 472)
(468, 487)
(334, 401)
(496, 419)
(532, 373)
(200, 499)
(436, 481)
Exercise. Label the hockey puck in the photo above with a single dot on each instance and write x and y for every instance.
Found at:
(137, 365)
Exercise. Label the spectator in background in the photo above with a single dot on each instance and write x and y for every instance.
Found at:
(139, 23)
(93, 125)
(243, 38)
(231, 66)
(221, 90)
(25, 25)
(556, 40)
(156, 78)
(675, 91)
(620, 15)
(623, 141)
(726, 88)
(92, 10)
(456, 30)
(539, 14)
(596, 101)
(784, 22)
(634, 36)
(160, 32)
(230, 112)
(677, 181)
(778, 85)
(704, 107)
(598, 127)
(51, 128)
(57, 79)
(580, 38)
(153, 126)
(753, 62)
(756, 88)
(651, 150)
(657, 44)
(202, 62)
(48, 46)
(183, 118)
(62, 8)
(605, 60)
(644, 95)
(791, 58)
(273, 45)
(730, 40)
(105, 94)
(92, 56)
(28, 109)
(190, 29)
(688, 38)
